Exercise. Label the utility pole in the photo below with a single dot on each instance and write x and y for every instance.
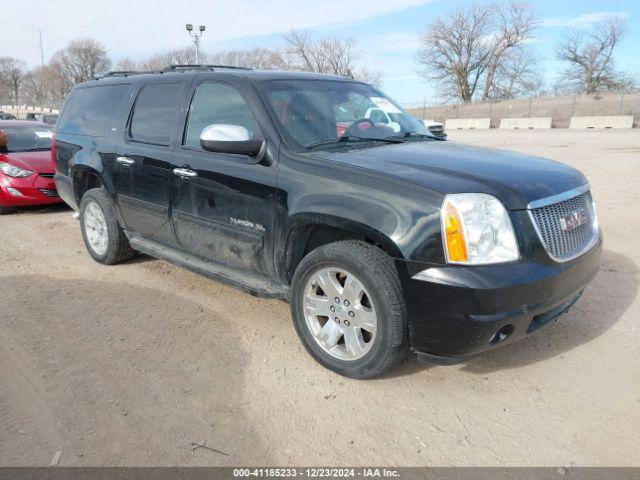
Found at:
(41, 49)
(196, 38)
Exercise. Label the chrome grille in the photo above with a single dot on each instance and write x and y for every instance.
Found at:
(562, 244)
(47, 175)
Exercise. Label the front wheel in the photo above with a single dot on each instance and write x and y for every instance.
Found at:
(349, 310)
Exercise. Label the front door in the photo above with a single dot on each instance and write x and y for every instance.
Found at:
(144, 157)
(222, 204)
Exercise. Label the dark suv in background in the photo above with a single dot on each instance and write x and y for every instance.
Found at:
(381, 238)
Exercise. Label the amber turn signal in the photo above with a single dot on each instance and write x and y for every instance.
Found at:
(454, 234)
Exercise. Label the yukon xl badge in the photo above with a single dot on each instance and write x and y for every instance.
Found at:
(247, 223)
(573, 220)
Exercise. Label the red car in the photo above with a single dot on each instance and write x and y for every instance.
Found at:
(26, 167)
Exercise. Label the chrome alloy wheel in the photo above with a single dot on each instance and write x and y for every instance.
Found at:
(95, 228)
(340, 314)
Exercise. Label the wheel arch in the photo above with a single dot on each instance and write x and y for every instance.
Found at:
(308, 231)
(83, 179)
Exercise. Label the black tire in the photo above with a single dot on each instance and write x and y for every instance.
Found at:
(118, 249)
(377, 272)
(4, 210)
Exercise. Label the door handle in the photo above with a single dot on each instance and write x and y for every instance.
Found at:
(125, 161)
(184, 172)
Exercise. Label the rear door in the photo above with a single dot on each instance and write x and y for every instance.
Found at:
(143, 156)
(223, 211)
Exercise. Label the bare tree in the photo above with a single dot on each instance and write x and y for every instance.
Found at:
(5, 95)
(260, 58)
(466, 50)
(12, 72)
(36, 87)
(160, 61)
(517, 76)
(373, 77)
(181, 56)
(327, 55)
(80, 61)
(127, 65)
(590, 56)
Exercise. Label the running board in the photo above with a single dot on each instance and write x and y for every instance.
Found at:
(256, 286)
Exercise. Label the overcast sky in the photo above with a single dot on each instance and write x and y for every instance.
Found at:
(387, 31)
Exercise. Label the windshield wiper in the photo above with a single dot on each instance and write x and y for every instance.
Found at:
(355, 139)
(413, 134)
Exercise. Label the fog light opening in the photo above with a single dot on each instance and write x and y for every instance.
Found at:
(14, 192)
(502, 334)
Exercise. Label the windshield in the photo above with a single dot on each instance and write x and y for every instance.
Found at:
(324, 112)
(25, 138)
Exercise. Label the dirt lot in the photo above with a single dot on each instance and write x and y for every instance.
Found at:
(128, 365)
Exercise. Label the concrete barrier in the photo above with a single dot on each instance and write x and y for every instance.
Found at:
(525, 123)
(467, 123)
(614, 121)
(27, 109)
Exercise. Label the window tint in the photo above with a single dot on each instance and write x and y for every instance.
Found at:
(217, 103)
(90, 111)
(154, 113)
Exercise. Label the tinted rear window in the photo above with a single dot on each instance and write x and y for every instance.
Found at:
(155, 111)
(90, 111)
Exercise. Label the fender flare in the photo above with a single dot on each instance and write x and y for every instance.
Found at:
(300, 225)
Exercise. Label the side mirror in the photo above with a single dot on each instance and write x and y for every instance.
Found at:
(225, 138)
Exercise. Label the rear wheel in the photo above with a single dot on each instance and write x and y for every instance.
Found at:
(103, 237)
(349, 310)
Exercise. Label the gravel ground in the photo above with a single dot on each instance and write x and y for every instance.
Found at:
(128, 365)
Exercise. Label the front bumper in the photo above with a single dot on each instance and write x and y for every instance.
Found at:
(460, 312)
(33, 190)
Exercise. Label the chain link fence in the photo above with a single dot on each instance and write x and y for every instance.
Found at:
(560, 109)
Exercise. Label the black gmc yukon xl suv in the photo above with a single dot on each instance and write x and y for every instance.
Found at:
(381, 237)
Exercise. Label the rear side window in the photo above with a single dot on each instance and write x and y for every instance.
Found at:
(90, 111)
(154, 113)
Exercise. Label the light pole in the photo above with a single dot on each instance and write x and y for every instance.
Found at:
(196, 38)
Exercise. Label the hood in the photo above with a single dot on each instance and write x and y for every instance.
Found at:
(38, 162)
(449, 167)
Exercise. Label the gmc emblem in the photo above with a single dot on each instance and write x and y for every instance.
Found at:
(573, 220)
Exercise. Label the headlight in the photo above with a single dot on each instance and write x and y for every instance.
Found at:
(13, 171)
(477, 230)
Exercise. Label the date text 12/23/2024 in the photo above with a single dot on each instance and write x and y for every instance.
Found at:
(316, 472)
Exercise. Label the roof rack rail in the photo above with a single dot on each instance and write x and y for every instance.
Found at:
(119, 73)
(123, 73)
(195, 66)
(170, 68)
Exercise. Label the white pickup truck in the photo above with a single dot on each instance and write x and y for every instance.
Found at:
(378, 115)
